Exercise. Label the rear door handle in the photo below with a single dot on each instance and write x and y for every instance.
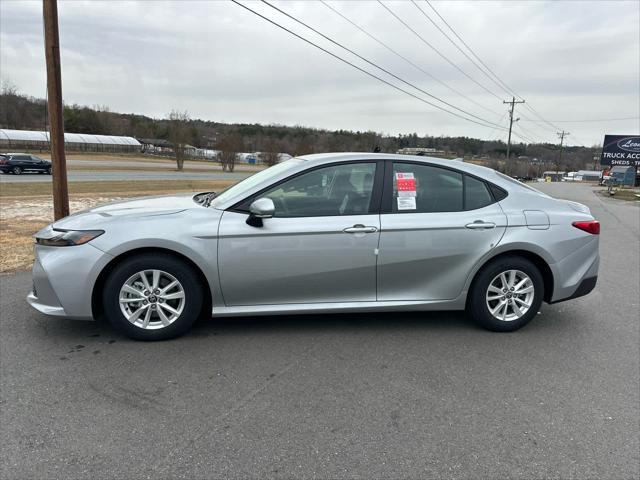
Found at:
(359, 228)
(480, 225)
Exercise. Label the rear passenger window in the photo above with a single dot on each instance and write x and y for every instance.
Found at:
(426, 189)
(476, 194)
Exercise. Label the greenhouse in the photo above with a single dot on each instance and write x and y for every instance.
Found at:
(12, 140)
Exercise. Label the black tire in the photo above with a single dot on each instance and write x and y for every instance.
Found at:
(182, 272)
(16, 170)
(49, 171)
(478, 307)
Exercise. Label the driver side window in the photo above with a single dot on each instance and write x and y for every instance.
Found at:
(344, 189)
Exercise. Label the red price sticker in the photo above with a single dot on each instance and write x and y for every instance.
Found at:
(405, 184)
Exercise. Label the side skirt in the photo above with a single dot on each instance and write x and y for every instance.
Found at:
(313, 308)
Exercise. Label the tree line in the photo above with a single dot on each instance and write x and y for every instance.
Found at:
(23, 112)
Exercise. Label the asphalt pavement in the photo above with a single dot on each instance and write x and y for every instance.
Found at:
(395, 395)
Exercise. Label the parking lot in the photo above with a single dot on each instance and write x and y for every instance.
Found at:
(394, 395)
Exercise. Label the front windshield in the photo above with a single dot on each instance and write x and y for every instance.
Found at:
(248, 183)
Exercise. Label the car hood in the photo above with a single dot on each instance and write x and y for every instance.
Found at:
(127, 209)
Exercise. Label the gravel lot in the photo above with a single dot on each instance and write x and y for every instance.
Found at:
(344, 396)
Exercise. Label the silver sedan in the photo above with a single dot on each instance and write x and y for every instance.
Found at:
(348, 232)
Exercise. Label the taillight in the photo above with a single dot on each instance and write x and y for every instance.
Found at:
(589, 226)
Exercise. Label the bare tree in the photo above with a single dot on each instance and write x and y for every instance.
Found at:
(271, 151)
(229, 145)
(179, 134)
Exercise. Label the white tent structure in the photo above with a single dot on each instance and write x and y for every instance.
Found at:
(34, 140)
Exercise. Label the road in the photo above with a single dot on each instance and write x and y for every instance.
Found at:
(411, 395)
(127, 175)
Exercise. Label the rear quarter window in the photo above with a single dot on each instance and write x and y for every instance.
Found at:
(476, 194)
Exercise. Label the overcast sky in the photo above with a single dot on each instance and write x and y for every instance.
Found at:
(569, 60)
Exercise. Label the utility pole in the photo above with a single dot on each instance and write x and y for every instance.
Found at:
(56, 118)
(512, 102)
(561, 136)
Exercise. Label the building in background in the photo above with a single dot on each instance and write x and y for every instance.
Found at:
(624, 175)
(422, 152)
(21, 140)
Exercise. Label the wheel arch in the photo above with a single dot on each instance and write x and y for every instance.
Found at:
(540, 263)
(97, 309)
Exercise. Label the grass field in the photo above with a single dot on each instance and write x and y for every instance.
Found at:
(129, 187)
(628, 194)
(27, 207)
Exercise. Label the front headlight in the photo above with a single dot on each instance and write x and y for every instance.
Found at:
(68, 238)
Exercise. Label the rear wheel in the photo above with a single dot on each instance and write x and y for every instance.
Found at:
(16, 170)
(152, 297)
(506, 294)
(49, 171)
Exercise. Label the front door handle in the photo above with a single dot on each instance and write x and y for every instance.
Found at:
(480, 225)
(359, 228)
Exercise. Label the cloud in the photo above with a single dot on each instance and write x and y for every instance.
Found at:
(570, 60)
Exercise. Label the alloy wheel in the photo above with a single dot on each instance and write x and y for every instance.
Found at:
(510, 295)
(152, 299)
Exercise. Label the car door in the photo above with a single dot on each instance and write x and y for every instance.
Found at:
(436, 224)
(320, 245)
(38, 164)
(23, 161)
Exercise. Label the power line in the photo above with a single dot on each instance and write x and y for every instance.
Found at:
(494, 130)
(359, 68)
(532, 110)
(426, 15)
(532, 134)
(444, 84)
(504, 85)
(374, 64)
(590, 120)
(438, 51)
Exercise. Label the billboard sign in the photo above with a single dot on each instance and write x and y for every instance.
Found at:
(621, 150)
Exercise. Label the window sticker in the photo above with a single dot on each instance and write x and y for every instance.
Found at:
(406, 185)
(406, 203)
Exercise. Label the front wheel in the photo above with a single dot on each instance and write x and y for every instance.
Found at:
(506, 294)
(152, 297)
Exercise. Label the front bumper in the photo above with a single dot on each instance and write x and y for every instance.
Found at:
(63, 280)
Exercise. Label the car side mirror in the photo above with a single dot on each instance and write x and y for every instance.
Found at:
(260, 209)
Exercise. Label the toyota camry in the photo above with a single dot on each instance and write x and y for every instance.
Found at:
(345, 232)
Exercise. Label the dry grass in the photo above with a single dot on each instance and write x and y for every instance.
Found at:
(126, 187)
(27, 207)
(628, 194)
(17, 245)
(137, 157)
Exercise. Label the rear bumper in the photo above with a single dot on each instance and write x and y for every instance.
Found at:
(585, 287)
(575, 270)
